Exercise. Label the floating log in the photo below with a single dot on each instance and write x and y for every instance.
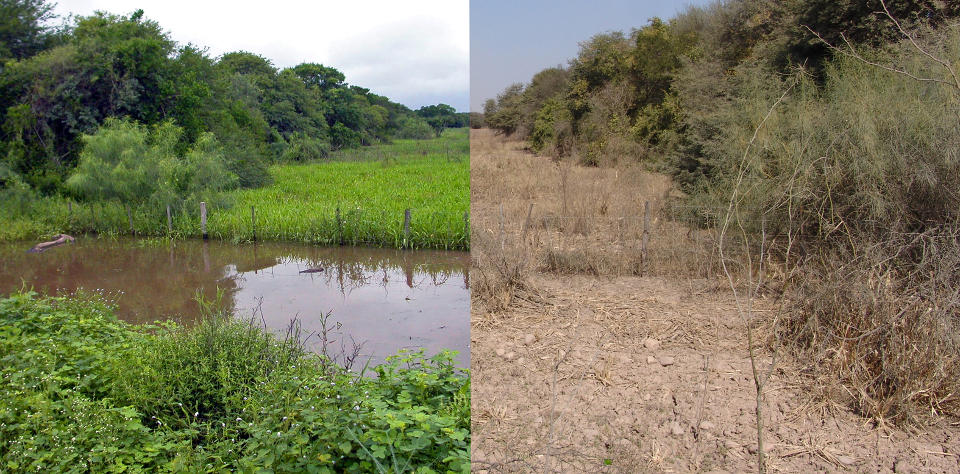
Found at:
(58, 239)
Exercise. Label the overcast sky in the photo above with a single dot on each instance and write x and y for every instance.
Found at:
(415, 52)
(511, 40)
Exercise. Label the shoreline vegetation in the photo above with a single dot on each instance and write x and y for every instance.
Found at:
(82, 390)
(371, 186)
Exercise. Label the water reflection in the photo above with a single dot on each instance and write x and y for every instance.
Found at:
(388, 299)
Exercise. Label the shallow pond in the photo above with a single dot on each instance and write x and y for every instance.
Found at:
(383, 298)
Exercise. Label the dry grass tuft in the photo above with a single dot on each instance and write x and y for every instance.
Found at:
(890, 334)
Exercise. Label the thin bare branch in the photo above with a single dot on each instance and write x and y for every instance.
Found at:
(945, 64)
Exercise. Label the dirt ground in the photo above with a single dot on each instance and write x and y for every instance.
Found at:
(620, 371)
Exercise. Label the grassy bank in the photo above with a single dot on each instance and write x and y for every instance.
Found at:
(371, 187)
(82, 391)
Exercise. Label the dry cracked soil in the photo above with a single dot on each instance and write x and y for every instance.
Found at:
(628, 373)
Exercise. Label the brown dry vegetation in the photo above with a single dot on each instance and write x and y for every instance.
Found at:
(582, 220)
(586, 358)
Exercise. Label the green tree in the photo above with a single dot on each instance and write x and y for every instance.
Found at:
(22, 30)
(439, 116)
(319, 76)
(507, 114)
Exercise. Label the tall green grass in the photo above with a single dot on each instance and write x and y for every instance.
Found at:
(371, 187)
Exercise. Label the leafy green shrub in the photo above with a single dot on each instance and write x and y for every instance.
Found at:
(124, 161)
(552, 128)
(343, 137)
(303, 148)
(415, 128)
(81, 390)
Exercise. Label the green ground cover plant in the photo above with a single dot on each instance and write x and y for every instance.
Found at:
(81, 391)
(371, 187)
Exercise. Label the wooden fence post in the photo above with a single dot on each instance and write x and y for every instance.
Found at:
(646, 236)
(502, 244)
(526, 224)
(169, 221)
(130, 220)
(253, 221)
(406, 227)
(203, 219)
(339, 228)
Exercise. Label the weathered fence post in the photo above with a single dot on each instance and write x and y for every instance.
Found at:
(526, 224)
(646, 236)
(502, 244)
(406, 227)
(130, 220)
(253, 221)
(203, 219)
(339, 228)
(169, 221)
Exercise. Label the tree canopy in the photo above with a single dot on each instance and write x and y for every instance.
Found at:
(58, 86)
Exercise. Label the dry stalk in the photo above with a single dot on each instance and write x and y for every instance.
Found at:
(746, 309)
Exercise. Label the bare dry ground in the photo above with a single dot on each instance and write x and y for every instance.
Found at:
(585, 358)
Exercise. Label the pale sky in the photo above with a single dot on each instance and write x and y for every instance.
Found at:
(511, 40)
(415, 52)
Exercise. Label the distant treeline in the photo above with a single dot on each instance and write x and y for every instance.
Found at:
(60, 85)
(666, 90)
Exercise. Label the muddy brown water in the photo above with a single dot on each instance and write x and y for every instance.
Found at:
(383, 298)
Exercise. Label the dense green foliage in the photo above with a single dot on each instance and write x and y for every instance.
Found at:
(442, 116)
(81, 391)
(371, 186)
(56, 87)
(126, 163)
